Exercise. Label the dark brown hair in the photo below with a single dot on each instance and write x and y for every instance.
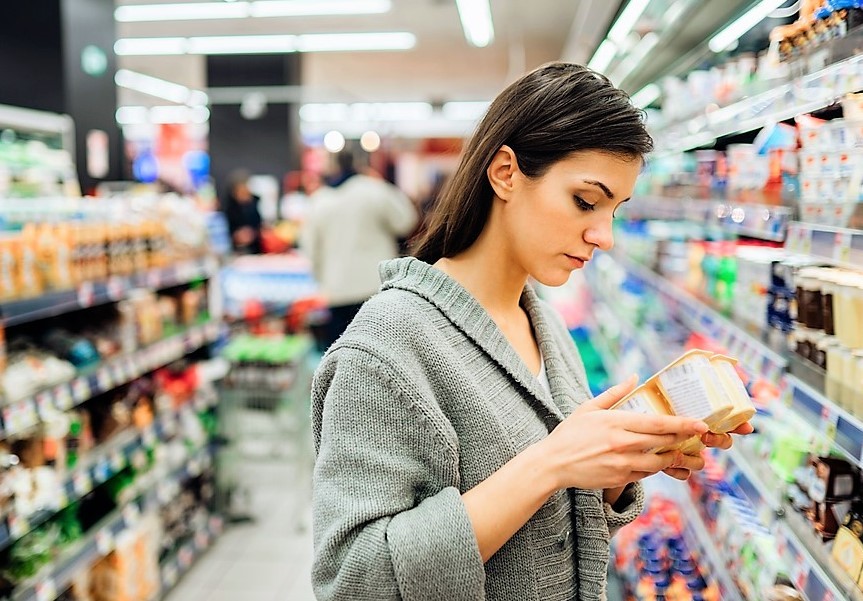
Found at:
(544, 116)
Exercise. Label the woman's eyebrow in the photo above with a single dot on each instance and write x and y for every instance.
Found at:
(601, 186)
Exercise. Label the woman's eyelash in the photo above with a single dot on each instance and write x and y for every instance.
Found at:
(583, 204)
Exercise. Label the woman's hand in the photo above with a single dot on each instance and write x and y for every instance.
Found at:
(718, 441)
(596, 448)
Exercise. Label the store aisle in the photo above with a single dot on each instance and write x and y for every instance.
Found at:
(268, 559)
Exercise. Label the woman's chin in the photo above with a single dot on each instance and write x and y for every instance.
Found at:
(553, 278)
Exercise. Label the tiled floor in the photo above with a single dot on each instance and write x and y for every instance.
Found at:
(268, 559)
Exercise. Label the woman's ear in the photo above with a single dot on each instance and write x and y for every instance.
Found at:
(502, 172)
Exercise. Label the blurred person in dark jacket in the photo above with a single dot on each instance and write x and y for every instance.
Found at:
(244, 218)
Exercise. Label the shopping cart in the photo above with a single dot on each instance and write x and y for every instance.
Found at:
(264, 413)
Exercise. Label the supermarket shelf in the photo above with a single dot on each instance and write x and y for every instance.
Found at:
(833, 245)
(765, 222)
(100, 464)
(817, 408)
(708, 547)
(20, 416)
(814, 571)
(56, 577)
(175, 567)
(756, 357)
(116, 288)
(809, 93)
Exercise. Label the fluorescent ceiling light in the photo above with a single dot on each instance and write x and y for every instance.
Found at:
(129, 115)
(465, 111)
(149, 46)
(160, 88)
(476, 21)
(303, 8)
(627, 20)
(135, 115)
(242, 44)
(262, 44)
(635, 58)
(333, 42)
(363, 112)
(646, 95)
(239, 10)
(603, 56)
(744, 23)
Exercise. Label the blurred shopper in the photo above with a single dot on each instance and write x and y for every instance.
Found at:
(244, 218)
(459, 454)
(352, 225)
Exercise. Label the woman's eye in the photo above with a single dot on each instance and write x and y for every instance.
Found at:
(583, 204)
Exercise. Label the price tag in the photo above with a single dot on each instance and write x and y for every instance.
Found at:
(86, 295)
(186, 556)
(82, 483)
(103, 377)
(116, 288)
(104, 541)
(103, 470)
(148, 436)
(805, 241)
(842, 248)
(18, 526)
(828, 596)
(118, 461)
(799, 574)
(131, 368)
(46, 590)
(20, 416)
(829, 423)
(131, 514)
(81, 389)
(63, 397)
(45, 404)
(118, 374)
(202, 540)
(170, 575)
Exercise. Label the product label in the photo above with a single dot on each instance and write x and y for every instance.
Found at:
(843, 486)
(734, 382)
(637, 403)
(686, 389)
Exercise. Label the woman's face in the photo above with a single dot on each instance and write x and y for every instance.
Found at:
(557, 221)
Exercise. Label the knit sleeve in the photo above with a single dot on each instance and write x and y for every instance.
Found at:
(628, 507)
(388, 523)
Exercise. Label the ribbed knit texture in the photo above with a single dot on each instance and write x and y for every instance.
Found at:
(422, 399)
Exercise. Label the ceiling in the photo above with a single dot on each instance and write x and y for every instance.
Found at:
(442, 66)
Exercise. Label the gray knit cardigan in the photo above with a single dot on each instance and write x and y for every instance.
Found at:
(419, 401)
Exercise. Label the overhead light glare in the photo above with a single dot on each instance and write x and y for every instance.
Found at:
(201, 11)
(635, 58)
(181, 11)
(743, 24)
(366, 112)
(370, 141)
(603, 56)
(627, 20)
(308, 8)
(465, 110)
(476, 21)
(160, 88)
(646, 95)
(334, 141)
(264, 44)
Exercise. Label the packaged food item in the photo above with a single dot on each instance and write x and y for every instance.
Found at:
(699, 384)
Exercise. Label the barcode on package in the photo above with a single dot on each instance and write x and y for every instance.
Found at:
(686, 390)
(637, 403)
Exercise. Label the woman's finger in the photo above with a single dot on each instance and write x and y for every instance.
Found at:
(678, 473)
(659, 424)
(745, 428)
(718, 441)
(634, 441)
(655, 462)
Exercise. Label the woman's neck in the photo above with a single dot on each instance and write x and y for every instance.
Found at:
(488, 272)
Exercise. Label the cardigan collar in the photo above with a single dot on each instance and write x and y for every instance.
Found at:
(465, 312)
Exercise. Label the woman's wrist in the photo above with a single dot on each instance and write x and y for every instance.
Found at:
(612, 495)
(542, 470)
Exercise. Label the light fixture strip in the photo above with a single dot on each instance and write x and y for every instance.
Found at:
(160, 88)
(603, 56)
(743, 24)
(254, 44)
(635, 58)
(646, 95)
(627, 20)
(476, 21)
(184, 11)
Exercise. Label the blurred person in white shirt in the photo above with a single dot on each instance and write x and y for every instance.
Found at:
(352, 225)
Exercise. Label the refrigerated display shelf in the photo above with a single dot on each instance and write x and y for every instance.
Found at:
(55, 578)
(756, 357)
(813, 569)
(765, 222)
(115, 288)
(833, 245)
(805, 94)
(701, 539)
(20, 416)
(99, 465)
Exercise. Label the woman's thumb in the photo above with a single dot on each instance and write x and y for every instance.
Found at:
(612, 395)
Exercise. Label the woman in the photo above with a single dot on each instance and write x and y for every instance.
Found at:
(459, 454)
(244, 217)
